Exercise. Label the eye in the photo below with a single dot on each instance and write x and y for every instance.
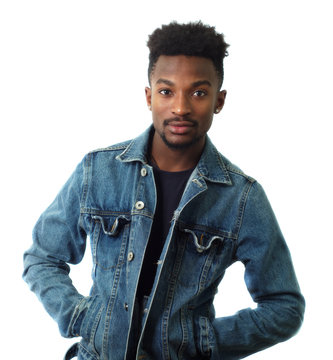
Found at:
(165, 92)
(200, 93)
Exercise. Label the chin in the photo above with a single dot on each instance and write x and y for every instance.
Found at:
(180, 144)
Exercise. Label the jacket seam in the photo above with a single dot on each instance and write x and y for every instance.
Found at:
(87, 211)
(234, 170)
(86, 170)
(223, 165)
(242, 206)
(223, 233)
(121, 146)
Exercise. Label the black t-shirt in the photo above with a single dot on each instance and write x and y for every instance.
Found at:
(170, 187)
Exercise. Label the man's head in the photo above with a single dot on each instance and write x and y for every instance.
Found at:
(185, 77)
(192, 39)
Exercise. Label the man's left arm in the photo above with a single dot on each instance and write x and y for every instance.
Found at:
(271, 281)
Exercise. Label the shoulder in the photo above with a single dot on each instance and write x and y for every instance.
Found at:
(112, 148)
(104, 156)
(234, 170)
(219, 168)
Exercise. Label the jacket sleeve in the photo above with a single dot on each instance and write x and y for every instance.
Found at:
(271, 281)
(59, 238)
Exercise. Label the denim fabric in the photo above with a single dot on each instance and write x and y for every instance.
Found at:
(223, 217)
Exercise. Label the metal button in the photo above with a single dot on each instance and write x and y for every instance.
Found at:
(139, 205)
(126, 306)
(130, 256)
(143, 172)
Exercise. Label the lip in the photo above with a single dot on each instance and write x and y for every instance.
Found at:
(180, 127)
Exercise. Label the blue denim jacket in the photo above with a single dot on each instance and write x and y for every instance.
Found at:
(223, 217)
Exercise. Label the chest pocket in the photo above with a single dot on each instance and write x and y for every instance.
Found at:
(109, 240)
(205, 257)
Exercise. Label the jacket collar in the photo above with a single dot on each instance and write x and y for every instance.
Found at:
(210, 166)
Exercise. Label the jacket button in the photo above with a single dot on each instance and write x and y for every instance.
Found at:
(139, 205)
(143, 172)
(126, 306)
(130, 256)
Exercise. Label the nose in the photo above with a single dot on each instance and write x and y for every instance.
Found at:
(181, 105)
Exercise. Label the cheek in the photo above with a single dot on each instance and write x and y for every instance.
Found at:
(158, 106)
(157, 118)
(205, 118)
(206, 113)
(206, 108)
(208, 124)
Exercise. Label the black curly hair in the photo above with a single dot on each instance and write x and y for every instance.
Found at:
(192, 39)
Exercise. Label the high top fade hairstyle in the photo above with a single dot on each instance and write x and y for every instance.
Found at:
(192, 39)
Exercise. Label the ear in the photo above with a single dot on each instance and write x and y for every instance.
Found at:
(148, 96)
(221, 95)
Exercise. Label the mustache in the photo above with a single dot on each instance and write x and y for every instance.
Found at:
(175, 119)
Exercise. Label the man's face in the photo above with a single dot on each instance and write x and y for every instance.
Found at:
(183, 97)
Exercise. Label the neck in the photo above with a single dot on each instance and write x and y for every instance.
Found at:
(173, 159)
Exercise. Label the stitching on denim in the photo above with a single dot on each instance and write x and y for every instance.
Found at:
(234, 170)
(86, 176)
(139, 157)
(220, 160)
(115, 226)
(143, 213)
(206, 268)
(127, 148)
(86, 352)
(242, 205)
(204, 335)
(169, 299)
(198, 191)
(95, 239)
(200, 247)
(120, 146)
(91, 211)
(85, 186)
(94, 328)
(121, 258)
(207, 229)
(76, 314)
(185, 333)
(88, 211)
(114, 290)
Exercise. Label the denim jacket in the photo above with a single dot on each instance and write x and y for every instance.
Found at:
(223, 217)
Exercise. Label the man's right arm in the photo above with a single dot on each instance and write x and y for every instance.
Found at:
(59, 238)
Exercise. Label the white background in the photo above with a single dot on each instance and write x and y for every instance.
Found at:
(72, 78)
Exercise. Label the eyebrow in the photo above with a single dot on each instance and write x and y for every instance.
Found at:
(201, 82)
(164, 81)
(195, 84)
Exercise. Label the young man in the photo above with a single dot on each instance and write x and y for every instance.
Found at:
(166, 215)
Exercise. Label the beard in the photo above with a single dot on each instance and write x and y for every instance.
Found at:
(182, 145)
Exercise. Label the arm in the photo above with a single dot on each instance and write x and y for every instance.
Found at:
(271, 281)
(59, 238)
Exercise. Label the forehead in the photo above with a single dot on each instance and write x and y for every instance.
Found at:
(183, 68)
